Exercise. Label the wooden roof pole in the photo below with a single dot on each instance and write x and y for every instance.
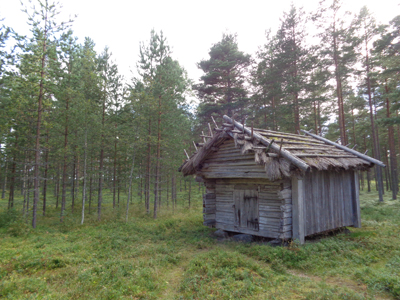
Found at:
(286, 154)
(356, 153)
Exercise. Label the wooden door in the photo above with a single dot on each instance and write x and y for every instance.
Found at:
(246, 209)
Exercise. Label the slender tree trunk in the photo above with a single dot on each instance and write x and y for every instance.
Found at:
(24, 179)
(141, 181)
(58, 186)
(46, 167)
(115, 170)
(64, 175)
(148, 169)
(38, 124)
(3, 193)
(25, 186)
(190, 190)
(90, 183)
(392, 149)
(130, 189)
(167, 185)
(274, 121)
(77, 175)
(387, 176)
(101, 171)
(373, 129)
(172, 194)
(339, 93)
(28, 197)
(362, 180)
(12, 185)
(84, 179)
(315, 118)
(73, 185)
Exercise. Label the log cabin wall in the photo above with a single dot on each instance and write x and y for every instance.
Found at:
(254, 206)
(229, 162)
(209, 204)
(239, 197)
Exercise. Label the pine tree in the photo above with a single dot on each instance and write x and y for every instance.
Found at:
(386, 53)
(223, 91)
(43, 26)
(337, 51)
(368, 30)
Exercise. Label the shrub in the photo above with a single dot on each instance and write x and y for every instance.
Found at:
(7, 217)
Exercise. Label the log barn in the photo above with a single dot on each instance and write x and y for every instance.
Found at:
(274, 184)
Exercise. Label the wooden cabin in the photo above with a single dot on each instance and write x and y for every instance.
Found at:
(274, 184)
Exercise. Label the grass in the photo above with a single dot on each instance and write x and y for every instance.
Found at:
(176, 257)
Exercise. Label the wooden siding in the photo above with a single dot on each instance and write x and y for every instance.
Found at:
(274, 211)
(328, 201)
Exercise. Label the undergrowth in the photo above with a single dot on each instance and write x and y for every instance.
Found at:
(176, 257)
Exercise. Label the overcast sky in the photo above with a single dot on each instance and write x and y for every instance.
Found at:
(191, 27)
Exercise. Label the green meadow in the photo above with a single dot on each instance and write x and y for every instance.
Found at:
(176, 257)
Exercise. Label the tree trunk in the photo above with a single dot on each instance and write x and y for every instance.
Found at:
(58, 185)
(115, 170)
(339, 93)
(73, 185)
(64, 175)
(387, 176)
(46, 167)
(190, 190)
(101, 171)
(38, 124)
(148, 167)
(373, 128)
(77, 175)
(28, 196)
(392, 149)
(3, 193)
(130, 189)
(90, 183)
(12, 185)
(84, 179)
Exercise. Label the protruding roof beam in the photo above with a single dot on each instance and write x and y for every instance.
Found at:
(294, 160)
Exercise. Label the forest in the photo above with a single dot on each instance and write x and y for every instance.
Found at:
(71, 125)
(80, 143)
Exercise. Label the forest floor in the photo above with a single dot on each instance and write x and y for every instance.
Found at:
(176, 257)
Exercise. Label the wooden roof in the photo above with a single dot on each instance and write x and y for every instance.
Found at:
(282, 153)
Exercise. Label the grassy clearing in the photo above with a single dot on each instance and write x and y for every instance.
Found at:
(176, 257)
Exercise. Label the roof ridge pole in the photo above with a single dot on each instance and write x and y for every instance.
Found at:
(286, 154)
(356, 153)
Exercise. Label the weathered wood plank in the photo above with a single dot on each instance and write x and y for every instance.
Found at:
(262, 232)
(244, 180)
(298, 209)
(209, 223)
(275, 214)
(209, 210)
(208, 217)
(234, 175)
(284, 194)
(356, 201)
